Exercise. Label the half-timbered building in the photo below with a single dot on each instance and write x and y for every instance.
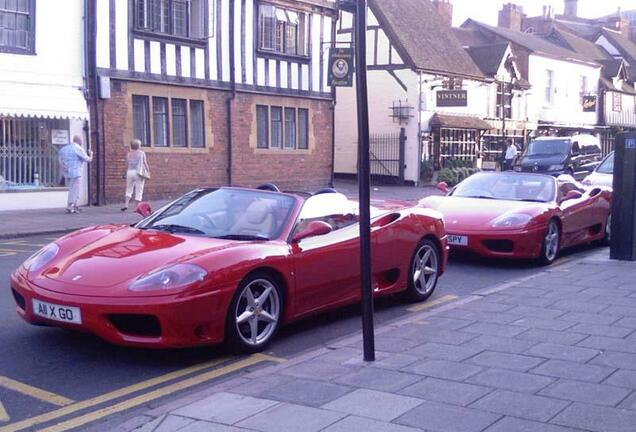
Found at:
(218, 91)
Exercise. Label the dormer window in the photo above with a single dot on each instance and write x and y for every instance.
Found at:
(283, 31)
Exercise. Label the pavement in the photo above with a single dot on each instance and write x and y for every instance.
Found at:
(554, 352)
(15, 224)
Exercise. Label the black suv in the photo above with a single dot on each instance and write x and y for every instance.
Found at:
(576, 155)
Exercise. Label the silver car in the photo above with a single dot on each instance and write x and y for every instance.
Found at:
(603, 175)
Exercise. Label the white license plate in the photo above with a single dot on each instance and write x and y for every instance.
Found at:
(67, 314)
(457, 240)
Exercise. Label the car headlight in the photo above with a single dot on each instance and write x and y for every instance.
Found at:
(170, 277)
(512, 221)
(41, 258)
(555, 167)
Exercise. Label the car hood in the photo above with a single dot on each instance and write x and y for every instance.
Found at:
(474, 213)
(103, 261)
(599, 179)
(543, 159)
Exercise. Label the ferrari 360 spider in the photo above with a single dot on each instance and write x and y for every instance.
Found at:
(226, 264)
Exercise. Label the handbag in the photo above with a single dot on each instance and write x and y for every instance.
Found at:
(142, 171)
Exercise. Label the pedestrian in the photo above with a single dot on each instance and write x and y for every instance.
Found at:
(72, 158)
(511, 156)
(137, 174)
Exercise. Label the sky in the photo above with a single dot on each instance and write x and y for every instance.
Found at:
(486, 10)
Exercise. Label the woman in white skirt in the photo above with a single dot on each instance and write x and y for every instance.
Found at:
(137, 173)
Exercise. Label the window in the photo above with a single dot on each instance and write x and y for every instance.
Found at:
(549, 82)
(181, 18)
(179, 123)
(197, 124)
(141, 119)
(504, 100)
(160, 121)
(262, 126)
(283, 31)
(290, 128)
(282, 128)
(303, 128)
(17, 26)
(617, 101)
(277, 127)
(583, 90)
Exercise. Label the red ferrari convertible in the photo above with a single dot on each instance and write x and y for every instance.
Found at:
(226, 264)
(527, 216)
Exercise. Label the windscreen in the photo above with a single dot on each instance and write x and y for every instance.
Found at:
(607, 166)
(507, 186)
(548, 147)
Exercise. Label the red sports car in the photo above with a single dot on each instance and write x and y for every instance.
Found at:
(518, 215)
(226, 264)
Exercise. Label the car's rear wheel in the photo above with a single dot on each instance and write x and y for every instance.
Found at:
(424, 271)
(608, 231)
(255, 313)
(551, 243)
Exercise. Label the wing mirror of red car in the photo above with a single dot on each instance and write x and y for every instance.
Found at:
(313, 229)
(442, 186)
(144, 209)
(571, 195)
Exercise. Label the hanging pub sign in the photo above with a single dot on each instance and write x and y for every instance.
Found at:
(589, 103)
(340, 67)
(452, 98)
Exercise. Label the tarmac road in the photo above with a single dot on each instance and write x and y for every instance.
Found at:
(43, 369)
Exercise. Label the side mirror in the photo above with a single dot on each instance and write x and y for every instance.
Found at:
(573, 194)
(442, 186)
(313, 229)
(144, 209)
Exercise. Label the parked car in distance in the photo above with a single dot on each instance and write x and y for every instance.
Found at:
(575, 155)
(226, 264)
(522, 215)
(603, 175)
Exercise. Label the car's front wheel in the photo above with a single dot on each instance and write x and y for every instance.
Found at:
(551, 244)
(424, 271)
(255, 313)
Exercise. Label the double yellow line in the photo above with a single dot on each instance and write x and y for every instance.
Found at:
(137, 400)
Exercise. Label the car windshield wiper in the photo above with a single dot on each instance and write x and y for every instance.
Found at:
(481, 197)
(172, 228)
(243, 237)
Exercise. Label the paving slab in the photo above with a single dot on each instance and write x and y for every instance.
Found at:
(592, 393)
(602, 330)
(563, 352)
(379, 379)
(559, 337)
(615, 359)
(306, 392)
(516, 362)
(452, 392)
(203, 426)
(521, 405)
(573, 370)
(596, 418)
(512, 424)
(354, 423)
(499, 344)
(291, 418)
(510, 380)
(317, 369)
(225, 408)
(492, 329)
(623, 378)
(444, 369)
(444, 351)
(373, 404)
(440, 417)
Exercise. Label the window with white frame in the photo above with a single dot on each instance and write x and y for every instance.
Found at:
(179, 18)
(165, 122)
(17, 26)
(549, 87)
(583, 89)
(280, 127)
(283, 31)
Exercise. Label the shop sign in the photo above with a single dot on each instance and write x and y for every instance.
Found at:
(452, 98)
(589, 103)
(59, 136)
(340, 67)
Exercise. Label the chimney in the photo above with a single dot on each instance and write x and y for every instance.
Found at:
(571, 8)
(621, 24)
(545, 23)
(445, 10)
(511, 17)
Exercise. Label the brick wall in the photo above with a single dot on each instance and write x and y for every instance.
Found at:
(175, 171)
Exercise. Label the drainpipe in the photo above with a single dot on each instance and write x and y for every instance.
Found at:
(230, 99)
(92, 70)
(333, 109)
(418, 179)
(87, 131)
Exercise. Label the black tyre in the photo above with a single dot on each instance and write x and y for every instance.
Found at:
(423, 271)
(255, 312)
(551, 244)
(608, 231)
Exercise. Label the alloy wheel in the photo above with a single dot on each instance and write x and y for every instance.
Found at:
(425, 265)
(257, 312)
(551, 242)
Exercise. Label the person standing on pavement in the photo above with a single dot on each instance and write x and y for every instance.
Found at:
(72, 158)
(511, 156)
(137, 174)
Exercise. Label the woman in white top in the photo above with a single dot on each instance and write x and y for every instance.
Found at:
(137, 165)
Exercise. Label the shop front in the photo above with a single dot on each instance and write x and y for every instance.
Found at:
(455, 137)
